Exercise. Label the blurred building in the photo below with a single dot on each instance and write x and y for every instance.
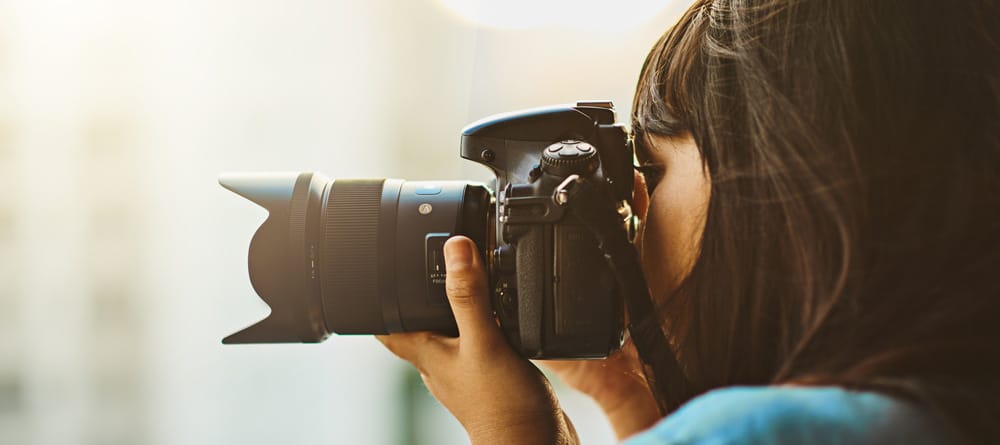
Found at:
(122, 263)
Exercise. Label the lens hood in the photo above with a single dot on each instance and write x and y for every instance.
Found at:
(281, 261)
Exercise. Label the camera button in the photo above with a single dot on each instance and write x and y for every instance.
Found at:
(426, 190)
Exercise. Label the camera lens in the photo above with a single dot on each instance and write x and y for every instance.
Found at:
(354, 256)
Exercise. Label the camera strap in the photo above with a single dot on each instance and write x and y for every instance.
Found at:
(593, 204)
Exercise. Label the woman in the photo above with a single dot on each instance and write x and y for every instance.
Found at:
(822, 238)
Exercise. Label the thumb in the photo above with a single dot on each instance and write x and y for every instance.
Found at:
(465, 284)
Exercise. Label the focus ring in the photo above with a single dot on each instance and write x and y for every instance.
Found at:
(350, 264)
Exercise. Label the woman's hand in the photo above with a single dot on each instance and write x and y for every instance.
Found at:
(616, 384)
(498, 396)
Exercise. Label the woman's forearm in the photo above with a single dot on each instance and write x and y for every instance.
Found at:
(537, 429)
(631, 415)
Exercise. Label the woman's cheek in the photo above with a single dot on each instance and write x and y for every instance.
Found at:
(660, 249)
(670, 236)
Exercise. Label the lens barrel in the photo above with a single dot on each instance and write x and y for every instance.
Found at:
(354, 256)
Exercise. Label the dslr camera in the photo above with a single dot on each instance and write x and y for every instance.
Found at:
(364, 256)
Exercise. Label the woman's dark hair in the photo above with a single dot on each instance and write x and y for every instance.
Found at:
(853, 232)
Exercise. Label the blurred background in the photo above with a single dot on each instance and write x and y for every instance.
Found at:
(123, 263)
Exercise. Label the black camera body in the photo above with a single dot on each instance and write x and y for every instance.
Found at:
(365, 256)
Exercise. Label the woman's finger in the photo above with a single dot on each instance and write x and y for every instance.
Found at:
(465, 284)
(640, 199)
(418, 348)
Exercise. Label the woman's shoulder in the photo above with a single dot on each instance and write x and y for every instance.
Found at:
(795, 414)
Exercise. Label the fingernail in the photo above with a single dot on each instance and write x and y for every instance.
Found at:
(457, 254)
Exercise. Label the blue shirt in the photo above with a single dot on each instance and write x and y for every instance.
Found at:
(795, 415)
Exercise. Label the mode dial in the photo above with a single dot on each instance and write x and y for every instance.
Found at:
(570, 157)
